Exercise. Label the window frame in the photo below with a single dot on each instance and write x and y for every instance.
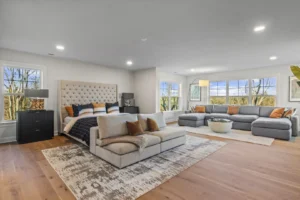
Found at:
(226, 92)
(238, 88)
(23, 66)
(169, 83)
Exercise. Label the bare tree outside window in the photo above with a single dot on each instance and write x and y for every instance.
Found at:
(264, 92)
(15, 80)
(169, 96)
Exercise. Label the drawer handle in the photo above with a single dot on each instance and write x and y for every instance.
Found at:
(37, 130)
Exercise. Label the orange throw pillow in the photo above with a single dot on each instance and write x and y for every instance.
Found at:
(70, 111)
(277, 113)
(152, 125)
(233, 110)
(200, 109)
(134, 128)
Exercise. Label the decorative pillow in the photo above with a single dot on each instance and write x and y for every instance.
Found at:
(277, 113)
(200, 109)
(112, 108)
(70, 111)
(289, 113)
(152, 125)
(233, 110)
(82, 109)
(134, 128)
(99, 108)
(158, 117)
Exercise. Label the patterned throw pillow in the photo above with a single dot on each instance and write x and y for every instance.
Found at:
(82, 109)
(99, 108)
(289, 113)
(112, 108)
(70, 111)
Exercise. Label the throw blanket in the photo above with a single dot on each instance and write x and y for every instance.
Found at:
(81, 129)
(139, 141)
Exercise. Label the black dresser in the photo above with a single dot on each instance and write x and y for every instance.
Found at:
(35, 126)
(130, 109)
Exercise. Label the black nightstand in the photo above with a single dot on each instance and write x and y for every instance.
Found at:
(130, 109)
(33, 126)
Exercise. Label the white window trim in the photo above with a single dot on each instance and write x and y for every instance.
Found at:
(3, 63)
(169, 95)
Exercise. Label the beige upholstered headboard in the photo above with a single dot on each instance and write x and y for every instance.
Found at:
(76, 92)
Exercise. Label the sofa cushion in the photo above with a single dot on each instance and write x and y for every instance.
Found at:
(124, 148)
(217, 115)
(158, 117)
(169, 133)
(193, 116)
(243, 118)
(249, 110)
(273, 123)
(220, 109)
(114, 125)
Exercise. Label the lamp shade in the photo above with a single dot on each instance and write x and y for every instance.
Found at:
(203, 83)
(42, 93)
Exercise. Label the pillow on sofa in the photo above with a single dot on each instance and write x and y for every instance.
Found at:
(134, 128)
(114, 125)
(289, 113)
(152, 125)
(277, 113)
(233, 110)
(200, 109)
(158, 117)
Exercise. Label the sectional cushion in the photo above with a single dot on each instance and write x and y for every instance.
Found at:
(217, 115)
(273, 123)
(114, 125)
(249, 110)
(243, 118)
(125, 148)
(158, 117)
(220, 109)
(193, 116)
(209, 108)
(169, 133)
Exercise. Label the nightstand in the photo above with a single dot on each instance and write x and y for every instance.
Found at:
(33, 126)
(130, 109)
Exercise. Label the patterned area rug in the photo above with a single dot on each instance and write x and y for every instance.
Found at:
(89, 177)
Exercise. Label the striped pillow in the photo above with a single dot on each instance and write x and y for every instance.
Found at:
(112, 108)
(82, 109)
(99, 108)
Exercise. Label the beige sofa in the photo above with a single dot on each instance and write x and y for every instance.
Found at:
(124, 154)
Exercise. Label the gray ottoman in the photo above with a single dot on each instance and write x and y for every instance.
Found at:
(192, 119)
(274, 128)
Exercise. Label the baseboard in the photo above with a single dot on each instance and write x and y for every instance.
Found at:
(8, 140)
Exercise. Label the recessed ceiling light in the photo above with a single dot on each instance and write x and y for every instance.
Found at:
(192, 70)
(60, 47)
(273, 58)
(129, 62)
(144, 39)
(259, 28)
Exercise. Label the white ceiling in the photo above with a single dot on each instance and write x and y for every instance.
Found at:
(207, 35)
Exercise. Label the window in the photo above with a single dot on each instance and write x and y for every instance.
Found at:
(238, 92)
(264, 91)
(217, 92)
(15, 80)
(169, 96)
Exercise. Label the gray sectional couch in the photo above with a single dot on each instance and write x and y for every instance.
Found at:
(251, 118)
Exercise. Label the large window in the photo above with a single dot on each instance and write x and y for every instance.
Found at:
(217, 92)
(15, 80)
(238, 92)
(264, 91)
(260, 92)
(169, 96)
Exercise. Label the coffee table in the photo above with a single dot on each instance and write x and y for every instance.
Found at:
(219, 125)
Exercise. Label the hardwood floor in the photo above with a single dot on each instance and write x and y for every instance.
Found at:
(237, 171)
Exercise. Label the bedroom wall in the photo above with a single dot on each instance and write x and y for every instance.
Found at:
(281, 72)
(64, 69)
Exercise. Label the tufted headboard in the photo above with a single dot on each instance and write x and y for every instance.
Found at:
(76, 92)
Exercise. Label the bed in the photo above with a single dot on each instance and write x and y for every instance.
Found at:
(77, 92)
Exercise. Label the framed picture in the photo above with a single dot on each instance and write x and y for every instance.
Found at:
(294, 89)
(195, 92)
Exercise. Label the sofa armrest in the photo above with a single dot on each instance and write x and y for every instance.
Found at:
(295, 125)
(94, 135)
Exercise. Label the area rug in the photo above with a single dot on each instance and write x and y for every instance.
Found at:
(239, 135)
(88, 177)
